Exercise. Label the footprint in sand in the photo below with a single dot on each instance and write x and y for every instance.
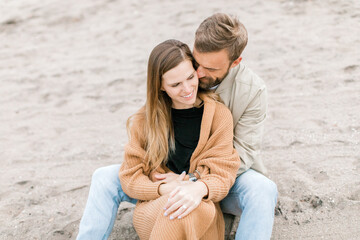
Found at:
(21, 183)
(12, 210)
(351, 68)
(321, 176)
(68, 230)
(116, 82)
(116, 107)
(349, 80)
(355, 195)
(319, 122)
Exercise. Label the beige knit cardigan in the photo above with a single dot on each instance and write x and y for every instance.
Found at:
(214, 157)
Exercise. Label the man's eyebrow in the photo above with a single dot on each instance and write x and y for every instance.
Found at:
(208, 68)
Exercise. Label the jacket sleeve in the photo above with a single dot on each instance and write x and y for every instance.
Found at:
(249, 130)
(134, 182)
(219, 161)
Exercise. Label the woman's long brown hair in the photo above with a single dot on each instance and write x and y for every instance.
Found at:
(156, 114)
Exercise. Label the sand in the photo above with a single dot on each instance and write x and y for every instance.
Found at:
(72, 72)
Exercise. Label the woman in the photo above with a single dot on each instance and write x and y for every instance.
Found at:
(179, 130)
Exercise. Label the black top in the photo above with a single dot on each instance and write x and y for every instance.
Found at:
(187, 123)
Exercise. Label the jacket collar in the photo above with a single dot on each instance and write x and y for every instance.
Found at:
(230, 78)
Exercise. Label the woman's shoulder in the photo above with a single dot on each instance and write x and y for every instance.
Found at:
(221, 111)
(221, 107)
(135, 124)
(139, 117)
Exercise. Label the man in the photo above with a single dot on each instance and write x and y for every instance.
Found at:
(219, 42)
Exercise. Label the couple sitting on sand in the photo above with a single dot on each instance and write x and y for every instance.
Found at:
(182, 166)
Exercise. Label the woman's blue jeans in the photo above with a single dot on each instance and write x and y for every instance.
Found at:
(253, 196)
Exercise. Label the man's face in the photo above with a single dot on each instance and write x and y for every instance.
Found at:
(212, 67)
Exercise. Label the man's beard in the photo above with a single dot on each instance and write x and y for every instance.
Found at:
(210, 82)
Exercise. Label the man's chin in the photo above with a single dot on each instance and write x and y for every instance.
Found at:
(207, 84)
(204, 86)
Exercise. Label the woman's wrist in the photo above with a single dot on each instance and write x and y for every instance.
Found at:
(203, 187)
(162, 188)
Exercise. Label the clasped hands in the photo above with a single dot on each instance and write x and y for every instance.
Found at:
(184, 196)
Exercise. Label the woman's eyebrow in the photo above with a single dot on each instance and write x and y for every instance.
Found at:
(189, 77)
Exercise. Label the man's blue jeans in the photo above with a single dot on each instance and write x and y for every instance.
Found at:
(253, 196)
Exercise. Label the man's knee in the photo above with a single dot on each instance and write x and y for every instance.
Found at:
(105, 176)
(258, 187)
(265, 191)
(270, 190)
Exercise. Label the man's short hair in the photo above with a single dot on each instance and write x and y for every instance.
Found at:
(221, 31)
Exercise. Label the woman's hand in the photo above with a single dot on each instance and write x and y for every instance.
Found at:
(185, 198)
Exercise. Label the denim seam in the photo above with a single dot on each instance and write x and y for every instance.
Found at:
(110, 227)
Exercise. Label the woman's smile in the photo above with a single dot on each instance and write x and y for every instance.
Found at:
(189, 95)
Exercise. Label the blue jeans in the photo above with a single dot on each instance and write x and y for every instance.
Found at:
(253, 196)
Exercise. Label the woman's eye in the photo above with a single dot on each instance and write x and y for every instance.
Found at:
(175, 85)
(191, 77)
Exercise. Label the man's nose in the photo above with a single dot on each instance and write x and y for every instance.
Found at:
(200, 72)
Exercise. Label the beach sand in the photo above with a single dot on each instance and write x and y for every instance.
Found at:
(72, 72)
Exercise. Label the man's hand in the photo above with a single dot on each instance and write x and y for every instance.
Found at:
(165, 177)
(185, 198)
(167, 187)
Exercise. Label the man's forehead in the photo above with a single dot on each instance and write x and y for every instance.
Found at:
(211, 60)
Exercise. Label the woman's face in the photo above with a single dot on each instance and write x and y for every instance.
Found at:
(181, 85)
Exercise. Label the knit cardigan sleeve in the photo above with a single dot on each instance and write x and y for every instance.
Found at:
(220, 161)
(134, 182)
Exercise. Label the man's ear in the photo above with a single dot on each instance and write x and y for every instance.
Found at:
(236, 62)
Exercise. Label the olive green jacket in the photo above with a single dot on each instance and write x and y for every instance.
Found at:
(245, 94)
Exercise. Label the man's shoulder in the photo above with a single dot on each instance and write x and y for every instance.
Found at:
(245, 76)
(240, 86)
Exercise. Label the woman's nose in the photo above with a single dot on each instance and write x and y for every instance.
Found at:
(187, 87)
